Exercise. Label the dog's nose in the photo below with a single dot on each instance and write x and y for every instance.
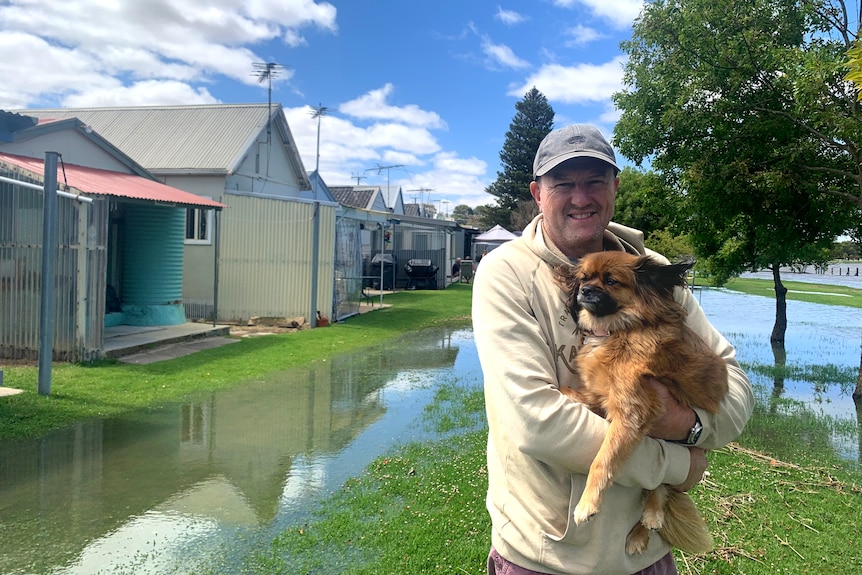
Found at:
(588, 290)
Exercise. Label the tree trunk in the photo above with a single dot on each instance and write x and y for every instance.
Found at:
(780, 327)
(780, 356)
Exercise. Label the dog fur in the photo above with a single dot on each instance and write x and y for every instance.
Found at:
(634, 329)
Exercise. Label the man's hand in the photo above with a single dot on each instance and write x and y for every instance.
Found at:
(677, 421)
(696, 469)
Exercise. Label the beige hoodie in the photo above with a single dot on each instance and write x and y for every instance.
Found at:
(541, 444)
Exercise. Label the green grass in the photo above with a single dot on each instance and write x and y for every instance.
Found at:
(800, 291)
(111, 388)
(420, 509)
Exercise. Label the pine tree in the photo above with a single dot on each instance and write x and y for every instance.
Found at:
(532, 122)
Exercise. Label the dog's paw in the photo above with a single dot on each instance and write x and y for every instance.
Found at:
(653, 518)
(583, 513)
(638, 540)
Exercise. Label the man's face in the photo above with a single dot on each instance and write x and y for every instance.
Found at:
(577, 200)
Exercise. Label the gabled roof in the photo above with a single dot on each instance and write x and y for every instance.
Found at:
(363, 197)
(92, 181)
(11, 123)
(347, 196)
(413, 210)
(200, 139)
(394, 199)
(45, 128)
(319, 190)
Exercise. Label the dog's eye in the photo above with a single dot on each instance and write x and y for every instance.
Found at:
(610, 281)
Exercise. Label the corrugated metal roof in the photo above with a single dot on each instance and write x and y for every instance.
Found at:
(209, 138)
(92, 181)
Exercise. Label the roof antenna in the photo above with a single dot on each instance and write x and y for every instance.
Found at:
(266, 71)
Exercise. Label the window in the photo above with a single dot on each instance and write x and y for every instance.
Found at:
(199, 226)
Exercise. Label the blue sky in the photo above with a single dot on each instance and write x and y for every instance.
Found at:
(429, 87)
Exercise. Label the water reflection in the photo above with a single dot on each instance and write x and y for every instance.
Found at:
(817, 336)
(154, 492)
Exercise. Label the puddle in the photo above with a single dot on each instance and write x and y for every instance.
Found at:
(196, 487)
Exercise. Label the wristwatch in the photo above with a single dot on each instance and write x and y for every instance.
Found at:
(694, 433)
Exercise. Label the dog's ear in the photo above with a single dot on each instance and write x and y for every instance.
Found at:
(566, 276)
(662, 277)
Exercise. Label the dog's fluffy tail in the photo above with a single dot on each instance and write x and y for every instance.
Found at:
(683, 527)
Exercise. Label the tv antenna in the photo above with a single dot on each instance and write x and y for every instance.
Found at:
(380, 169)
(265, 72)
(358, 177)
(318, 112)
(421, 190)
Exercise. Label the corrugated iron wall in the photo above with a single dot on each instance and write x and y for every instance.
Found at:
(265, 258)
(80, 275)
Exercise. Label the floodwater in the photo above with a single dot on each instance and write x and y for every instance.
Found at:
(185, 487)
(163, 491)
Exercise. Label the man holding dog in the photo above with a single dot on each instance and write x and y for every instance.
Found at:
(540, 443)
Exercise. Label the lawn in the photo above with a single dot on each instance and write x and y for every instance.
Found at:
(801, 291)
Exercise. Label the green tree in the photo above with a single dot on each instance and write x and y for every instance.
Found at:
(673, 247)
(534, 119)
(462, 213)
(741, 107)
(643, 202)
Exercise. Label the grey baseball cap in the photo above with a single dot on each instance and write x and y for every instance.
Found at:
(574, 141)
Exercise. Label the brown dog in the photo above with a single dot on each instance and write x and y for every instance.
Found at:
(636, 330)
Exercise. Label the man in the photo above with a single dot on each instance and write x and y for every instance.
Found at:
(456, 269)
(540, 443)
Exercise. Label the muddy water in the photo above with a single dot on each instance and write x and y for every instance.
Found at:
(204, 482)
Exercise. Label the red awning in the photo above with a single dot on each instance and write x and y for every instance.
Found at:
(92, 181)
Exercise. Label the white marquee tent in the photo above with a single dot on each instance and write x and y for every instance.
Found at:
(491, 239)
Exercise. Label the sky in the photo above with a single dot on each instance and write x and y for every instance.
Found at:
(418, 94)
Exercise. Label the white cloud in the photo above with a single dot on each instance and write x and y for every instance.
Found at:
(501, 54)
(509, 17)
(450, 162)
(351, 151)
(373, 105)
(79, 45)
(575, 84)
(619, 12)
(141, 94)
(582, 35)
